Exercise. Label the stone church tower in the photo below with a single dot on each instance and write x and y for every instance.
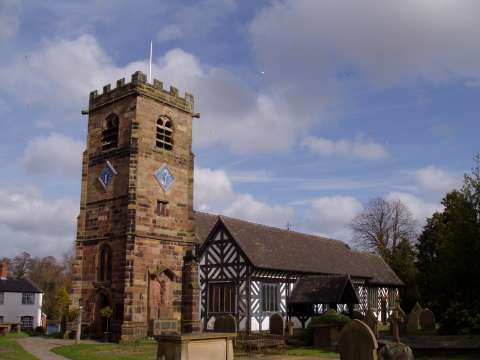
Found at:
(136, 228)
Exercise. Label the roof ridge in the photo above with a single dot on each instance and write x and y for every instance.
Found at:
(276, 228)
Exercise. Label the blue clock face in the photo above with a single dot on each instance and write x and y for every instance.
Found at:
(106, 175)
(164, 177)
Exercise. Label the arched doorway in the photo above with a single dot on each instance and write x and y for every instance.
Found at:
(102, 300)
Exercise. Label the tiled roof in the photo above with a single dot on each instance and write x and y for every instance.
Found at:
(322, 289)
(277, 249)
(18, 285)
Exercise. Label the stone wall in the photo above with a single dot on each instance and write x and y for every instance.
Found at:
(124, 214)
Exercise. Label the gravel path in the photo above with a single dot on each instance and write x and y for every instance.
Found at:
(40, 347)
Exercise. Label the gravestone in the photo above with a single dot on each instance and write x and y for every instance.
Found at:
(413, 319)
(225, 324)
(427, 320)
(372, 321)
(396, 351)
(357, 342)
(276, 324)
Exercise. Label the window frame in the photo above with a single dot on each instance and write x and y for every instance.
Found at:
(162, 208)
(110, 131)
(25, 318)
(218, 292)
(105, 264)
(373, 297)
(164, 133)
(270, 297)
(28, 298)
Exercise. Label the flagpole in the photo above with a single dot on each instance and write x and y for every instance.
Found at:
(150, 70)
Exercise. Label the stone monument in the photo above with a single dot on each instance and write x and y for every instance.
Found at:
(413, 319)
(427, 320)
(357, 342)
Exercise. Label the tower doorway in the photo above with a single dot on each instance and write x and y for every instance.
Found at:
(101, 301)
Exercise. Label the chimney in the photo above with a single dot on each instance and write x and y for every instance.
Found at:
(4, 269)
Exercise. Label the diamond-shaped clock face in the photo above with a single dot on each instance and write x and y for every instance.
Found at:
(164, 177)
(106, 175)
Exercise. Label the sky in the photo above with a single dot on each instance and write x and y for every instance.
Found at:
(309, 108)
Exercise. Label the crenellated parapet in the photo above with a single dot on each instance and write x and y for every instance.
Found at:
(139, 85)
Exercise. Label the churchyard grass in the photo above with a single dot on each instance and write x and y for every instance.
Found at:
(145, 350)
(11, 350)
(324, 353)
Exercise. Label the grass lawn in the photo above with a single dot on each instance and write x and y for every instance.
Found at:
(145, 350)
(327, 353)
(11, 350)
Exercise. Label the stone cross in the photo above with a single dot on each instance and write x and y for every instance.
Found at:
(395, 319)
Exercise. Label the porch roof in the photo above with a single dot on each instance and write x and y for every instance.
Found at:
(323, 290)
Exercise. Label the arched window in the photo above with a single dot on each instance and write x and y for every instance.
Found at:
(164, 133)
(110, 132)
(105, 270)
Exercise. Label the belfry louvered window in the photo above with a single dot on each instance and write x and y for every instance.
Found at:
(110, 132)
(164, 139)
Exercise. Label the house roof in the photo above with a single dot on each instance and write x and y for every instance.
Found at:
(323, 289)
(277, 249)
(18, 285)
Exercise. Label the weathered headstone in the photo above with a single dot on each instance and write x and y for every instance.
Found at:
(396, 351)
(427, 319)
(225, 324)
(413, 319)
(276, 324)
(372, 321)
(357, 342)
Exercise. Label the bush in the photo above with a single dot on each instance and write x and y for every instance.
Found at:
(330, 317)
(461, 320)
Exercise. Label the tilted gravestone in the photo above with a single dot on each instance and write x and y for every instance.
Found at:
(413, 320)
(427, 319)
(276, 324)
(372, 321)
(225, 324)
(357, 342)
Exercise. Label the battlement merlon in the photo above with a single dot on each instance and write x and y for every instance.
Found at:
(139, 86)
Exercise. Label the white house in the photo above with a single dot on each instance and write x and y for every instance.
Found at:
(20, 300)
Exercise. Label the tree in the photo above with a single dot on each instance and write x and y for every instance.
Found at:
(20, 265)
(382, 226)
(448, 253)
(387, 228)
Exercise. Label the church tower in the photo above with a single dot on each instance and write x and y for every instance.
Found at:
(136, 225)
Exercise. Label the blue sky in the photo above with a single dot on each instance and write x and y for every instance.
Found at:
(308, 108)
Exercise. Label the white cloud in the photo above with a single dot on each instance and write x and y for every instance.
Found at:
(436, 181)
(54, 154)
(358, 147)
(214, 193)
(420, 208)
(30, 222)
(60, 74)
(331, 215)
(387, 43)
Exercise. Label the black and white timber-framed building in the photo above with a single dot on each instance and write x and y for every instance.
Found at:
(250, 270)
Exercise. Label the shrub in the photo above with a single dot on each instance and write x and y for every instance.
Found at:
(461, 320)
(330, 317)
